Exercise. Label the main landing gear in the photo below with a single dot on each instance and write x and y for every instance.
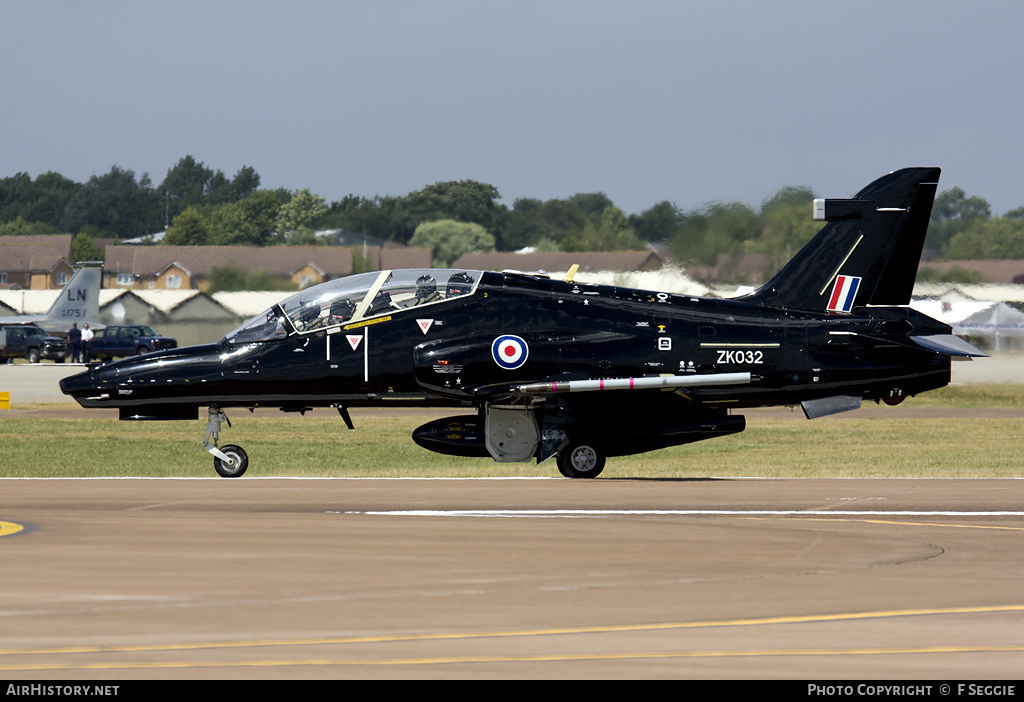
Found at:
(580, 459)
(229, 461)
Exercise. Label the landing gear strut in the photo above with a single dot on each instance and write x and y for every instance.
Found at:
(229, 461)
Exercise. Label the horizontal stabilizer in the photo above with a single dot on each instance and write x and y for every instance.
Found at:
(948, 344)
(834, 209)
(830, 405)
(661, 381)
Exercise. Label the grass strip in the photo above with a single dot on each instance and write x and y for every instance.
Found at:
(774, 445)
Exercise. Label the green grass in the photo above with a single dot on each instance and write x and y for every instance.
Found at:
(319, 445)
(973, 396)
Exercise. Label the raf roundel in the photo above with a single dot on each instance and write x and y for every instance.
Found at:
(509, 351)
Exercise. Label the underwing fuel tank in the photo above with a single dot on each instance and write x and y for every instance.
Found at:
(453, 436)
(466, 435)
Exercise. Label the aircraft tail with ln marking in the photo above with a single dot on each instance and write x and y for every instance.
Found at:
(79, 300)
(77, 303)
(866, 254)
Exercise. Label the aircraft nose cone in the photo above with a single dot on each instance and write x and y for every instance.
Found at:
(82, 385)
(74, 384)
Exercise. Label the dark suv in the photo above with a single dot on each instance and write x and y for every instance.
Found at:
(31, 342)
(128, 340)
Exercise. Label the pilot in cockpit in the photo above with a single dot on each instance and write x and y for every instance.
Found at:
(426, 290)
(342, 311)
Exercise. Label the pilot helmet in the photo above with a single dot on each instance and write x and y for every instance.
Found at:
(459, 284)
(425, 287)
(343, 309)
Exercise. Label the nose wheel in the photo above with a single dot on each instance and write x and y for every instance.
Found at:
(229, 461)
(235, 464)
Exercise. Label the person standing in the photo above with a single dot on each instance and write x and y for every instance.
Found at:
(74, 342)
(87, 335)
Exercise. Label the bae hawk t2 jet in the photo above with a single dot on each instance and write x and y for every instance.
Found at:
(546, 368)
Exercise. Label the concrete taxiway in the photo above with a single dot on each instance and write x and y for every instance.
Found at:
(530, 578)
(345, 578)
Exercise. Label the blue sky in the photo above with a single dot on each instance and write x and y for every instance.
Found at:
(690, 102)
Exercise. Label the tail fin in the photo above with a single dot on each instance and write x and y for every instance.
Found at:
(868, 252)
(79, 301)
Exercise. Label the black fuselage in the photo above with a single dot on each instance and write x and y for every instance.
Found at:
(572, 331)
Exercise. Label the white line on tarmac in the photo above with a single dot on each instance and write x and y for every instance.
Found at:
(676, 512)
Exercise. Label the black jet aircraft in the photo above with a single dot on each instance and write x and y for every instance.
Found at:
(555, 368)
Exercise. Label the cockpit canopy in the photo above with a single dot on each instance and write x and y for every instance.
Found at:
(354, 298)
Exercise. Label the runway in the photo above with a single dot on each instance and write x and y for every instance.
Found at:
(505, 578)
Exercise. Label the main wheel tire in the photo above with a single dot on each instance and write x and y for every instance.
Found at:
(580, 460)
(239, 462)
(33, 355)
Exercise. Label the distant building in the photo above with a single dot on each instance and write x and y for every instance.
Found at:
(38, 262)
(189, 267)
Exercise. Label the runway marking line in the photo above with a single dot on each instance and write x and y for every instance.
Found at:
(816, 515)
(796, 619)
(539, 658)
(9, 528)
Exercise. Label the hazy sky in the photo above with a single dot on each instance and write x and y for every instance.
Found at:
(643, 100)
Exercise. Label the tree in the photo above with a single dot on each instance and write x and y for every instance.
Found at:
(591, 204)
(189, 228)
(231, 277)
(1001, 238)
(296, 216)
(952, 213)
(789, 195)
(42, 200)
(19, 227)
(611, 232)
(448, 240)
(245, 183)
(227, 277)
(185, 185)
(16, 194)
(191, 183)
(658, 223)
(53, 193)
(251, 221)
(721, 228)
(372, 216)
(83, 249)
(955, 275)
(463, 201)
(523, 226)
(786, 227)
(115, 204)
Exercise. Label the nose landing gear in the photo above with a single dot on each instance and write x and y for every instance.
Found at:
(229, 461)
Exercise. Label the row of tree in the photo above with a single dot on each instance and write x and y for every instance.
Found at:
(198, 205)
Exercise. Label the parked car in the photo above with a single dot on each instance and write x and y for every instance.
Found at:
(128, 340)
(31, 342)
